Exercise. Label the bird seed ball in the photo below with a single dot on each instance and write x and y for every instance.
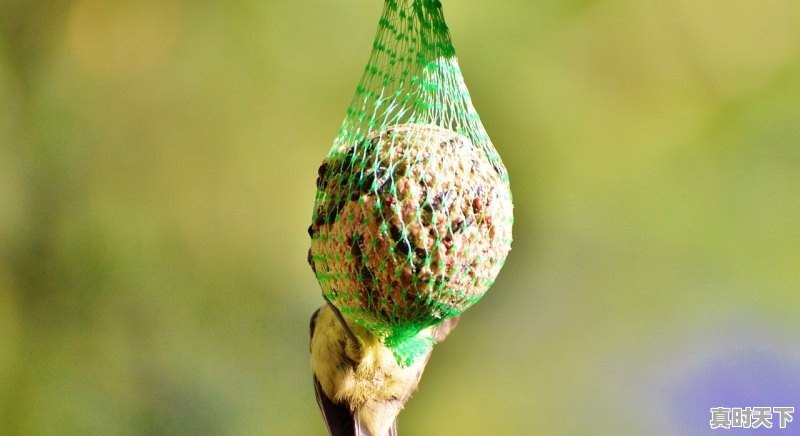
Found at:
(410, 227)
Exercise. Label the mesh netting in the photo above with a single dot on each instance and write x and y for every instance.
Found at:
(412, 218)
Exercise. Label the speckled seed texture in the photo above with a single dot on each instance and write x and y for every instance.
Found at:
(410, 226)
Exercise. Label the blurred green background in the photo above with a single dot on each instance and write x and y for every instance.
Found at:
(157, 167)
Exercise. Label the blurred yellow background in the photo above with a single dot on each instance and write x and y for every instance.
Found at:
(157, 168)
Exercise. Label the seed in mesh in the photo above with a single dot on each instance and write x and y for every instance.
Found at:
(410, 226)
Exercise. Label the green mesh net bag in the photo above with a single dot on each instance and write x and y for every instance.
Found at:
(413, 214)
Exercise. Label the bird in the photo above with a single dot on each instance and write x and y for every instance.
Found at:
(360, 387)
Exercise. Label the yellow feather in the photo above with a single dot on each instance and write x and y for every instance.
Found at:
(365, 377)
